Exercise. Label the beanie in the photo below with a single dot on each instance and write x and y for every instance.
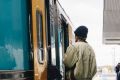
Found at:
(81, 31)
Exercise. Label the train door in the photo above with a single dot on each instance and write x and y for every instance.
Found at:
(39, 39)
(61, 48)
(65, 33)
(64, 41)
(53, 43)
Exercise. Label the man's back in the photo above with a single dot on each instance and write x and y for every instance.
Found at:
(86, 64)
(82, 56)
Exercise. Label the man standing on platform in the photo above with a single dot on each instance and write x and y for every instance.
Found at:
(80, 57)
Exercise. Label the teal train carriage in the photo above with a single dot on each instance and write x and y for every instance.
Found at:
(34, 35)
(15, 55)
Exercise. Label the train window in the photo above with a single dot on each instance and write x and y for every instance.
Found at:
(40, 37)
(51, 1)
(52, 31)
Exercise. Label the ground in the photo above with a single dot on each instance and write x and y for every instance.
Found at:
(105, 76)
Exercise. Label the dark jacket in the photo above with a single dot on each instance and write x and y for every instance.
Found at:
(117, 69)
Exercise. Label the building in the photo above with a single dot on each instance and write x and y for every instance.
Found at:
(111, 22)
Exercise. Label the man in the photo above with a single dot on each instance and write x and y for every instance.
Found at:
(117, 69)
(80, 57)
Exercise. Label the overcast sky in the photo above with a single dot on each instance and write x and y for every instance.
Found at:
(90, 13)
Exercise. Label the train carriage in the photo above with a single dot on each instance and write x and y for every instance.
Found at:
(15, 51)
(34, 35)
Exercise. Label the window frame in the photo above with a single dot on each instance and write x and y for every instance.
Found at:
(40, 48)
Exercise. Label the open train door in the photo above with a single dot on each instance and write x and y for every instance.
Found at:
(65, 33)
(65, 41)
(39, 39)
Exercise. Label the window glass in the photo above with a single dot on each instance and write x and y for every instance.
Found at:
(51, 1)
(40, 37)
(52, 31)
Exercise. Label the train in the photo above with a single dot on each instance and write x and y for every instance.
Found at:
(34, 35)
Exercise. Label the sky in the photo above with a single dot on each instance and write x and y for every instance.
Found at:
(90, 14)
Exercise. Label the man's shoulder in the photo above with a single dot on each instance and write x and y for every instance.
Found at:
(71, 48)
(83, 44)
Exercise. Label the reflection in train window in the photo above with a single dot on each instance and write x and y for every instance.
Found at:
(51, 2)
(53, 51)
(39, 37)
